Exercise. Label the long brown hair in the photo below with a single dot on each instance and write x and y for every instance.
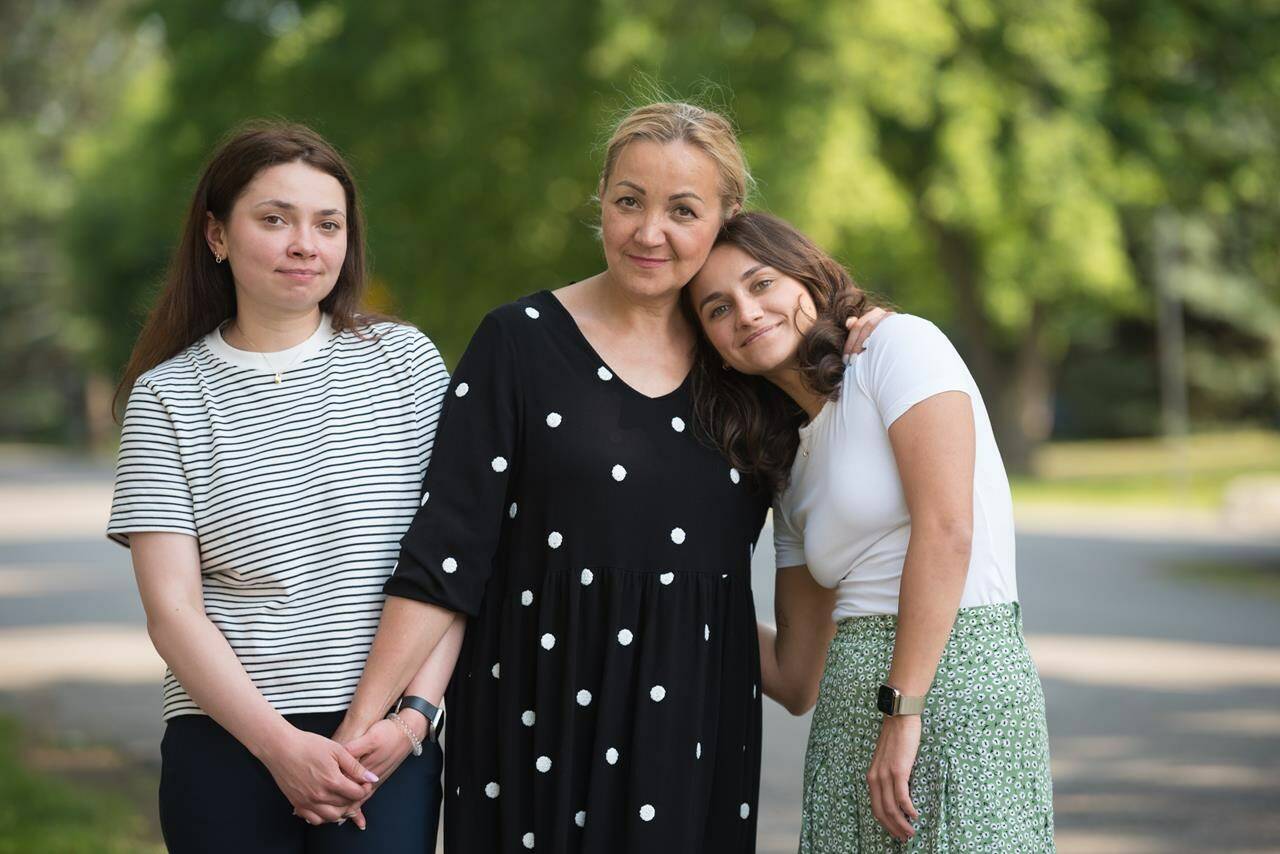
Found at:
(198, 294)
(752, 421)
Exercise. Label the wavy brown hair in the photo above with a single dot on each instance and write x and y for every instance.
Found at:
(752, 421)
(198, 294)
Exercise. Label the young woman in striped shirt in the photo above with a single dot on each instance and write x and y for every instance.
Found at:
(274, 444)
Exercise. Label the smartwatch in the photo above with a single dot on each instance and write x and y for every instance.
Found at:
(890, 701)
(433, 714)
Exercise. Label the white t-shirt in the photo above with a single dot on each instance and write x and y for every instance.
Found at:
(298, 494)
(844, 514)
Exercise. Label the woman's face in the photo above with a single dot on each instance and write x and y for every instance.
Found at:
(753, 314)
(286, 238)
(660, 214)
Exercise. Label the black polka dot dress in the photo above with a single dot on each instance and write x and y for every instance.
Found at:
(607, 695)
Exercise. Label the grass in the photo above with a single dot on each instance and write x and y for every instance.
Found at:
(1153, 472)
(67, 801)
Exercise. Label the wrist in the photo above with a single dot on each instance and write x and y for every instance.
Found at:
(416, 721)
(271, 740)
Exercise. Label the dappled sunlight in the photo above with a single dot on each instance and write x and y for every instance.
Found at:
(1154, 665)
(45, 655)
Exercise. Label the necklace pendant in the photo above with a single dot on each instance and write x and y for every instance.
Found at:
(279, 380)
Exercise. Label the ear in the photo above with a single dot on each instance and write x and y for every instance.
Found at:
(215, 234)
(733, 211)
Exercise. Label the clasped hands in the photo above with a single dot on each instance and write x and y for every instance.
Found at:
(329, 779)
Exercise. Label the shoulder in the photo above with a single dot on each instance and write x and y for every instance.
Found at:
(396, 335)
(514, 322)
(899, 329)
(176, 372)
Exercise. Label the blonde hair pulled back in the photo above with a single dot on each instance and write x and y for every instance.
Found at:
(677, 121)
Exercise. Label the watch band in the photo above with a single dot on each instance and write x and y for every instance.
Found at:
(890, 701)
(434, 714)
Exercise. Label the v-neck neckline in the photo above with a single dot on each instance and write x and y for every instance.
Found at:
(587, 345)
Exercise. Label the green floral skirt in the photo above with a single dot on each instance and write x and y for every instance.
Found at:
(981, 779)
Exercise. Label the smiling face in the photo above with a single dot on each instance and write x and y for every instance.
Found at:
(285, 239)
(754, 315)
(660, 214)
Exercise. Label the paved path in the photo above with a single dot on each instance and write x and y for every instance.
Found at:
(1164, 695)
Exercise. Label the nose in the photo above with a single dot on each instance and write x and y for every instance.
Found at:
(749, 311)
(649, 231)
(303, 244)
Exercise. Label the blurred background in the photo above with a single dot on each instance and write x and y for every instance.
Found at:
(1082, 193)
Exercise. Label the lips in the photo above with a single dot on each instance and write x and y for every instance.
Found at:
(299, 274)
(647, 263)
(758, 333)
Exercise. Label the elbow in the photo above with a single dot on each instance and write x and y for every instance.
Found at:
(802, 701)
(952, 536)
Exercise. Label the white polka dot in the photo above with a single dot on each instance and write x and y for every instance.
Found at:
(604, 373)
(554, 539)
(548, 640)
(611, 756)
(656, 693)
(492, 789)
(526, 598)
(677, 535)
(449, 565)
(744, 810)
(754, 691)
(496, 670)
(553, 419)
(543, 764)
(697, 751)
(462, 389)
(580, 818)
(667, 577)
(458, 791)
(734, 476)
(587, 577)
(706, 632)
(619, 473)
(646, 812)
(528, 717)
(724, 576)
(584, 697)
(511, 511)
(624, 637)
(425, 496)
(532, 312)
(677, 424)
(499, 464)
(527, 839)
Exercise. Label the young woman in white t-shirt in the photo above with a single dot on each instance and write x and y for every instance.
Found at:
(271, 457)
(893, 507)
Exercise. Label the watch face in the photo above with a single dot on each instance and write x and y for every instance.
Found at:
(885, 698)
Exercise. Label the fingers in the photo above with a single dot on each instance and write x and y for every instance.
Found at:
(361, 746)
(859, 328)
(890, 803)
(308, 816)
(352, 768)
(358, 819)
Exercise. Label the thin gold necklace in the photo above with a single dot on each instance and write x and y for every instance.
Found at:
(279, 374)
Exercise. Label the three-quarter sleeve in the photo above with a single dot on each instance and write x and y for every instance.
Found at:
(151, 488)
(447, 555)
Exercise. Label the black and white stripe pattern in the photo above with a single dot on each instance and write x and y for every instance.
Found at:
(298, 493)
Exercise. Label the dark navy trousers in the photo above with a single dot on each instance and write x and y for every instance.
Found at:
(216, 797)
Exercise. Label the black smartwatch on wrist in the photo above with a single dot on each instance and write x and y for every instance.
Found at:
(433, 714)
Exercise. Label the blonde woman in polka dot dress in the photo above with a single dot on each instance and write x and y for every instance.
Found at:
(892, 505)
(607, 696)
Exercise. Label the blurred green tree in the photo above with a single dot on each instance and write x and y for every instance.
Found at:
(993, 164)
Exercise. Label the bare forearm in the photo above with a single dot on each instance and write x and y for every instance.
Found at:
(407, 635)
(198, 654)
(433, 678)
(933, 577)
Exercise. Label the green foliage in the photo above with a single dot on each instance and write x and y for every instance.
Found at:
(994, 164)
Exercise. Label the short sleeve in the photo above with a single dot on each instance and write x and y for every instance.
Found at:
(430, 384)
(151, 489)
(447, 555)
(788, 543)
(908, 360)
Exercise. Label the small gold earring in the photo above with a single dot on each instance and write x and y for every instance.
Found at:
(217, 258)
